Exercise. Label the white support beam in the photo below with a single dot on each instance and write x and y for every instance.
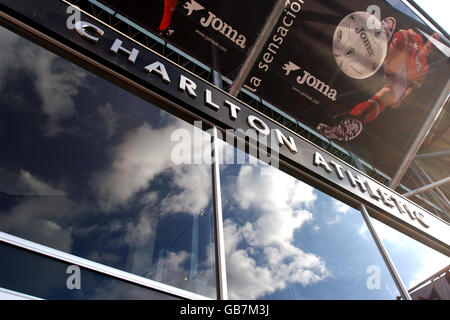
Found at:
(440, 194)
(442, 206)
(384, 254)
(440, 154)
(247, 66)
(427, 187)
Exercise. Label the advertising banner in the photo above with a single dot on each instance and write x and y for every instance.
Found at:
(364, 73)
(218, 33)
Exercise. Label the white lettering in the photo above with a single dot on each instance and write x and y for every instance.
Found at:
(81, 27)
(258, 125)
(117, 46)
(208, 100)
(234, 109)
(159, 69)
(317, 84)
(283, 140)
(320, 161)
(228, 31)
(385, 197)
(188, 85)
(338, 170)
(356, 181)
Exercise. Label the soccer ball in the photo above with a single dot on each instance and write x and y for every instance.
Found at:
(360, 45)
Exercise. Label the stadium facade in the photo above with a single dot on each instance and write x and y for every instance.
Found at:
(129, 171)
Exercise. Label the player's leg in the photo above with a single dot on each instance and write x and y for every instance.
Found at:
(169, 9)
(372, 108)
(350, 126)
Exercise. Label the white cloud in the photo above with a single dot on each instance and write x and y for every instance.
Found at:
(384, 232)
(143, 154)
(195, 195)
(140, 232)
(110, 117)
(36, 187)
(171, 270)
(278, 205)
(57, 86)
(283, 191)
(38, 216)
(150, 198)
(37, 219)
(363, 231)
(8, 58)
(107, 258)
(340, 209)
(56, 81)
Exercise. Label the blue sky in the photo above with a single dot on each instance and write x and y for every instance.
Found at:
(438, 10)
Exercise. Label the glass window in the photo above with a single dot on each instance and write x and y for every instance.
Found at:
(286, 240)
(413, 260)
(90, 169)
(46, 278)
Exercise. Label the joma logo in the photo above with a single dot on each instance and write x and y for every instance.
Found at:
(214, 22)
(310, 80)
(366, 40)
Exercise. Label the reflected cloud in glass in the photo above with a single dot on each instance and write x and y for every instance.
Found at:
(287, 240)
(86, 168)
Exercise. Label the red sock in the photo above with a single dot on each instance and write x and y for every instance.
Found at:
(169, 9)
(368, 110)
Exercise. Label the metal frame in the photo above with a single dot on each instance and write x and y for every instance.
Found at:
(432, 277)
(97, 267)
(427, 187)
(432, 193)
(433, 155)
(247, 66)
(387, 260)
(221, 274)
(222, 286)
(14, 295)
(438, 191)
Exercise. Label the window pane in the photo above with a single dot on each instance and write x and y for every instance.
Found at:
(286, 240)
(89, 169)
(414, 261)
(46, 278)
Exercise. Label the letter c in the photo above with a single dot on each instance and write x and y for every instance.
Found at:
(81, 26)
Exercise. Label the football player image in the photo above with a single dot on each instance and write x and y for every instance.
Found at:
(405, 68)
